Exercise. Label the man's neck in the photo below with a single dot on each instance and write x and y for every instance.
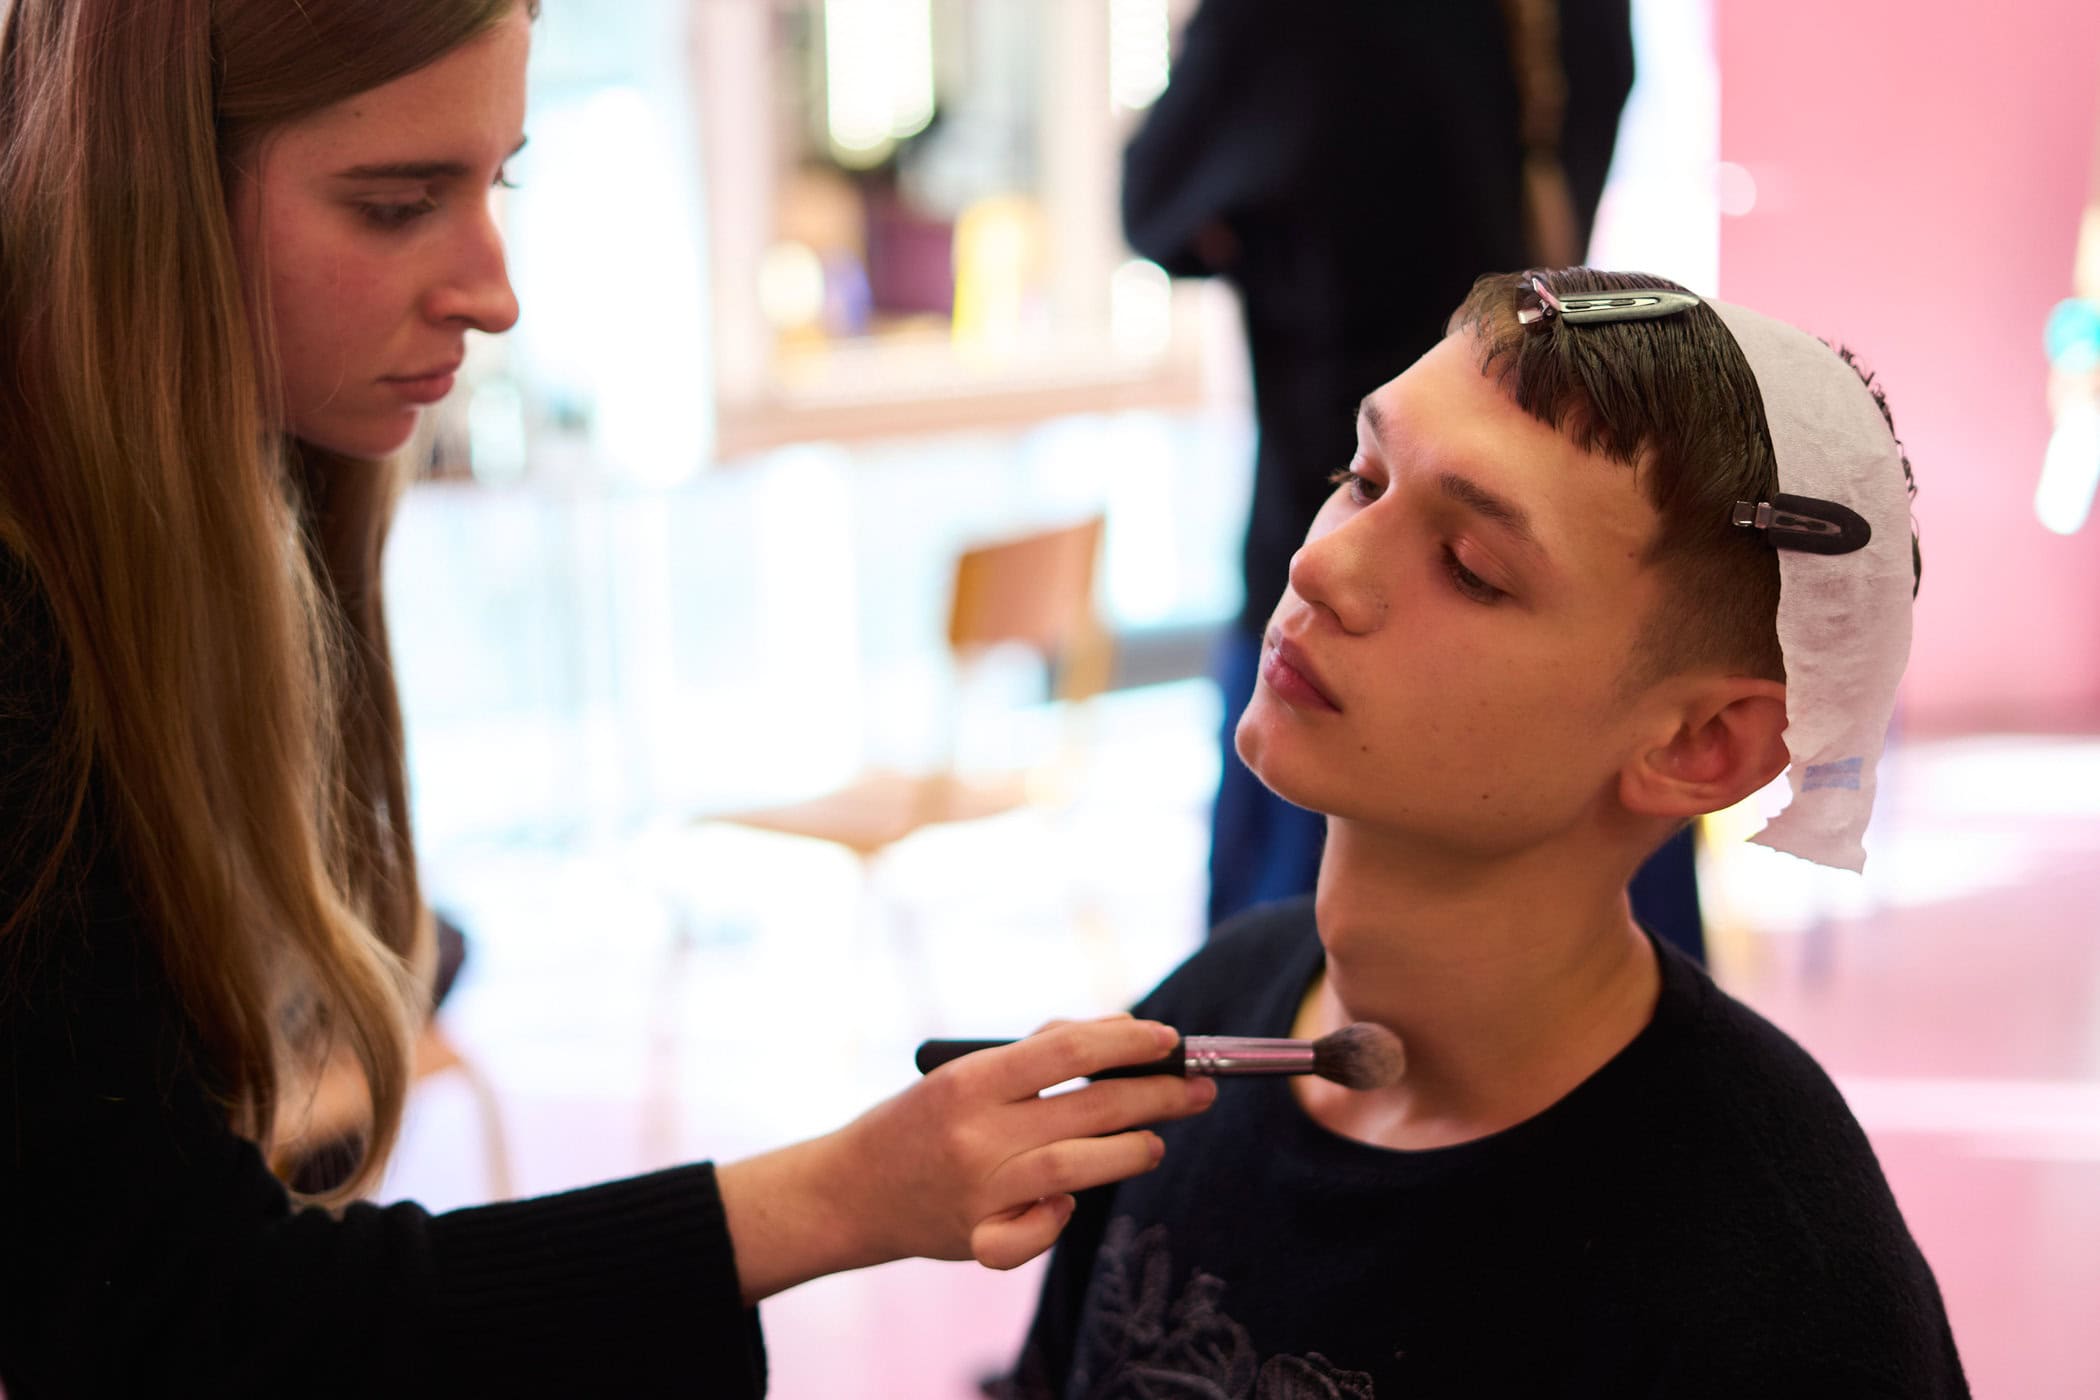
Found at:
(1509, 981)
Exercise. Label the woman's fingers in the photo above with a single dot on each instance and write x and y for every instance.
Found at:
(1011, 1239)
(1071, 1164)
(1055, 1021)
(1071, 1051)
(1111, 1105)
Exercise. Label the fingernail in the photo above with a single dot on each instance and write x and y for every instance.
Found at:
(1167, 1036)
(1159, 1148)
(1203, 1091)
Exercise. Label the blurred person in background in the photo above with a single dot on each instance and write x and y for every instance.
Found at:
(1350, 168)
(241, 246)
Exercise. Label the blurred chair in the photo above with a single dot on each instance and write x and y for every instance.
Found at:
(1035, 591)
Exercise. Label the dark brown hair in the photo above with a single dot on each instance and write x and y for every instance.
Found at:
(1674, 399)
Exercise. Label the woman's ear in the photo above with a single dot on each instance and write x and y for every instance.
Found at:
(1727, 745)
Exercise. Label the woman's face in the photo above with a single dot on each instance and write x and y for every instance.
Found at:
(370, 225)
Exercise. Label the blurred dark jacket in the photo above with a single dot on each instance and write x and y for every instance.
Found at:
(1361, 160)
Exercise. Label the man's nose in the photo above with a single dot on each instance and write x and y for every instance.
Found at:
(1332, 571)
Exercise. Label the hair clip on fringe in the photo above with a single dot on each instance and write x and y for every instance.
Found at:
(1587, 308)
(1549, 305)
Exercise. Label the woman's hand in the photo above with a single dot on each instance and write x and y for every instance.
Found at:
(968, 1163)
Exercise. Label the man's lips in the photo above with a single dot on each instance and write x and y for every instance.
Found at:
(1287, 670)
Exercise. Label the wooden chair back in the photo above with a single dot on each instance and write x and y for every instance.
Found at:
(1036, 590)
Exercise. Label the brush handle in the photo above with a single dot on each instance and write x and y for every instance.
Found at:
(935, 1053)
(1235, 1055)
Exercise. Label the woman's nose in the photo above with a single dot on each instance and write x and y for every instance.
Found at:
(475, 287)
(1331, 571)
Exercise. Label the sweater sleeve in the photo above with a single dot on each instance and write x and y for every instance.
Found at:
(145, 1248)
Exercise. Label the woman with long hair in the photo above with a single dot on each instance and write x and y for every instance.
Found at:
(241, 243)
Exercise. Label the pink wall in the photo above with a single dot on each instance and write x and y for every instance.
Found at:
(1919, 185)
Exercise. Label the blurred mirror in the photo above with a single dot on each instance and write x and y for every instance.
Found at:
(916, 199)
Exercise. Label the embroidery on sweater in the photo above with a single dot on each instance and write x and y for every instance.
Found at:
(1140, 1344)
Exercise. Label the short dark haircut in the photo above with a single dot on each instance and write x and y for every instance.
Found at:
(1674, 399)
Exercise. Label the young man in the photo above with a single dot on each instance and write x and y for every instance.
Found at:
(1601, 563)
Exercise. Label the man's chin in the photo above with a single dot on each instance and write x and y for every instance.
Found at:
(1276, 775)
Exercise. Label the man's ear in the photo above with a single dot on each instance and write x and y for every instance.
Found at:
(1726, 746)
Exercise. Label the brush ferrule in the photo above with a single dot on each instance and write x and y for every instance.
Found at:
(1238, 1054)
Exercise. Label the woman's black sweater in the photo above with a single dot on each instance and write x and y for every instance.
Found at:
(145, 1248)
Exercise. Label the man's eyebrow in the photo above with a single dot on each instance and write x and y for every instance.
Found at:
(1483, 502)
(415, 169)
(1463, 489)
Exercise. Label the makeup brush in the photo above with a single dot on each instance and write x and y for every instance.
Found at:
(1358, 1056)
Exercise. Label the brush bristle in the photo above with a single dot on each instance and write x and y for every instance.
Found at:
(1360, 1055)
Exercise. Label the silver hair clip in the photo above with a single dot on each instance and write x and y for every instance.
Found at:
(1586, 308)
(1549, 304)
(1805, 523)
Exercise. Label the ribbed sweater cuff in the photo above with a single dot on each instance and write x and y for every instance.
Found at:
(631, 1283)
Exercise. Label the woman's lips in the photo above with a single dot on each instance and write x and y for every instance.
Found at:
(428, 388)
(1286, 670)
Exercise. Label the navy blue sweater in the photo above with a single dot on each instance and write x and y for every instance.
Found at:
(1702, 1217)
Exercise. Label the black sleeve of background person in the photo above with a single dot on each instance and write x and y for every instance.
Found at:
(146, 1249)
(1230, 131)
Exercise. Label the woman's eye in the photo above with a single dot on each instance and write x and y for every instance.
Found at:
(504, 182)
(1468, 582)
(396, 216)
